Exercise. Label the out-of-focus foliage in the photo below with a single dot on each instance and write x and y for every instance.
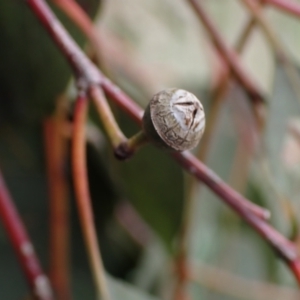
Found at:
(149, 45)
(26, 51)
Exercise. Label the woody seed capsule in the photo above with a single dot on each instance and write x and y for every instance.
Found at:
(174, 119)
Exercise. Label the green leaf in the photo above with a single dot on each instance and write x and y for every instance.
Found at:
(153, 183)
(33, 72)
(121, 290)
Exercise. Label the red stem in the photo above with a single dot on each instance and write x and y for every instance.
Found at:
(228, 55)
(282, 245)
(286, 248)
(83, 21)
(286, 5)
(22, 245)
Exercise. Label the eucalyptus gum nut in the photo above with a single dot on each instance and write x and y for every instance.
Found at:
(174, 119)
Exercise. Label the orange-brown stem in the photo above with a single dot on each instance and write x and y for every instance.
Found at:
(83, 199)
(56, 157)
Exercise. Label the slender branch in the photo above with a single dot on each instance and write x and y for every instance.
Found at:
(116, 136)
(257, 14)
(84, 207)
(94, 35)
(288, 6)
(56, 156)
(221, 91)
(23, 247)
(276, 44)
(228, 55)
(283, 246)
(82, 20)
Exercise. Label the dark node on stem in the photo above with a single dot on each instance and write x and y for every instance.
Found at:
(123, 151)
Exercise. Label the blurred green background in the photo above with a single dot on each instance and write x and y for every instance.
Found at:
(147, 46)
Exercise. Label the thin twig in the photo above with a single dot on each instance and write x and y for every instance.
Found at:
(56, 158)
(116, 136)
(278, 47)
(221, 91)
(288, 6)
(84, 207)
(227, 54)
(93, 34)
(37, 280)
(283, 246)
(82, 20)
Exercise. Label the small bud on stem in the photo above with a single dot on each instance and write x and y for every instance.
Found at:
(174, 119)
